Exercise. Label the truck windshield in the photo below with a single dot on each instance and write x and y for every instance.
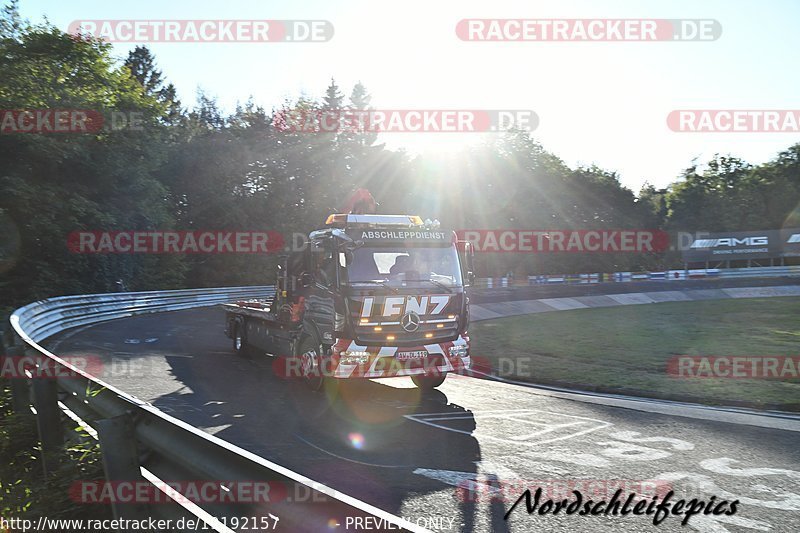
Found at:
(387, 265)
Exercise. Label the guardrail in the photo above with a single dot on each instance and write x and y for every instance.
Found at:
(144, 446)
(665, 275)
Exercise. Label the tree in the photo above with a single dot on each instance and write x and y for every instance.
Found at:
(141, 64)
(11, 24)
(52, 185)
(333, 97)
(204, 169)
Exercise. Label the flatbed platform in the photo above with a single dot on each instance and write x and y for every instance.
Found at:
(261, 309)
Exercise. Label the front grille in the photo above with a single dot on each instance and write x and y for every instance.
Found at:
(366, 335)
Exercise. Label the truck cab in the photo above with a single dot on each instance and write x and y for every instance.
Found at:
(372, 296)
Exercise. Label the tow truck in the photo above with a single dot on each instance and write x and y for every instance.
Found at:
(368, 296)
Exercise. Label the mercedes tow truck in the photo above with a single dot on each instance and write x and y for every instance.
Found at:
(368, 296)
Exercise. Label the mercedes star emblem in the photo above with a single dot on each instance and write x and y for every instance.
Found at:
(410, 321)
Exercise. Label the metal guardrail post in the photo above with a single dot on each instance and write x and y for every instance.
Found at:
(121, 461)
(48, 419)
(20, 394)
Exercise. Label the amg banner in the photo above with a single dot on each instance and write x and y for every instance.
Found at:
(763, 244)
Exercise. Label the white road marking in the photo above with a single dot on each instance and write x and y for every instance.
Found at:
(486, 478)
(455, 478)
(633, 436)
(544, 431)
(215, 429)
(722, 465)
(707, 485)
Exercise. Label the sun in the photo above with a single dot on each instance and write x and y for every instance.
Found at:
(428, 142)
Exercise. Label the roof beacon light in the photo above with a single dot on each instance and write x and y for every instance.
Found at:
(342, 220)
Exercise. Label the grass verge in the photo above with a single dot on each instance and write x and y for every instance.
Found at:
(25, 493)
(626, 349)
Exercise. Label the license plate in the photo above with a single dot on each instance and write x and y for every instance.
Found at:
(416, 354)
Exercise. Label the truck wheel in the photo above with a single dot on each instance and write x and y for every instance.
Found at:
(239, 341)
(310, 356)
(428, 382)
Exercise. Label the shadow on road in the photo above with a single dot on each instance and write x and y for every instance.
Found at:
(386, 443)
(364, 438)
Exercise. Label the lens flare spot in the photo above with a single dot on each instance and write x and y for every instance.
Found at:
(333, 523)
(356, 440)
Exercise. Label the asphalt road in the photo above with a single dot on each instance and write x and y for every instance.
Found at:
(387, 444)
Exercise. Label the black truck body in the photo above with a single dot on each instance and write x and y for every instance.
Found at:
(369, 296)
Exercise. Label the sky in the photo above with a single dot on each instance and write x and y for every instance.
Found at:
(602, 103)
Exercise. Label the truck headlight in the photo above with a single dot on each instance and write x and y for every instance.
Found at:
(459, 351)
(353, 358)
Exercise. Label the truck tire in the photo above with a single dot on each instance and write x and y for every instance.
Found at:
(428, 382)
(310, 353)
(239, 340)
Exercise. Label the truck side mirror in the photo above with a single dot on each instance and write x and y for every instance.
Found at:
(469, 260)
